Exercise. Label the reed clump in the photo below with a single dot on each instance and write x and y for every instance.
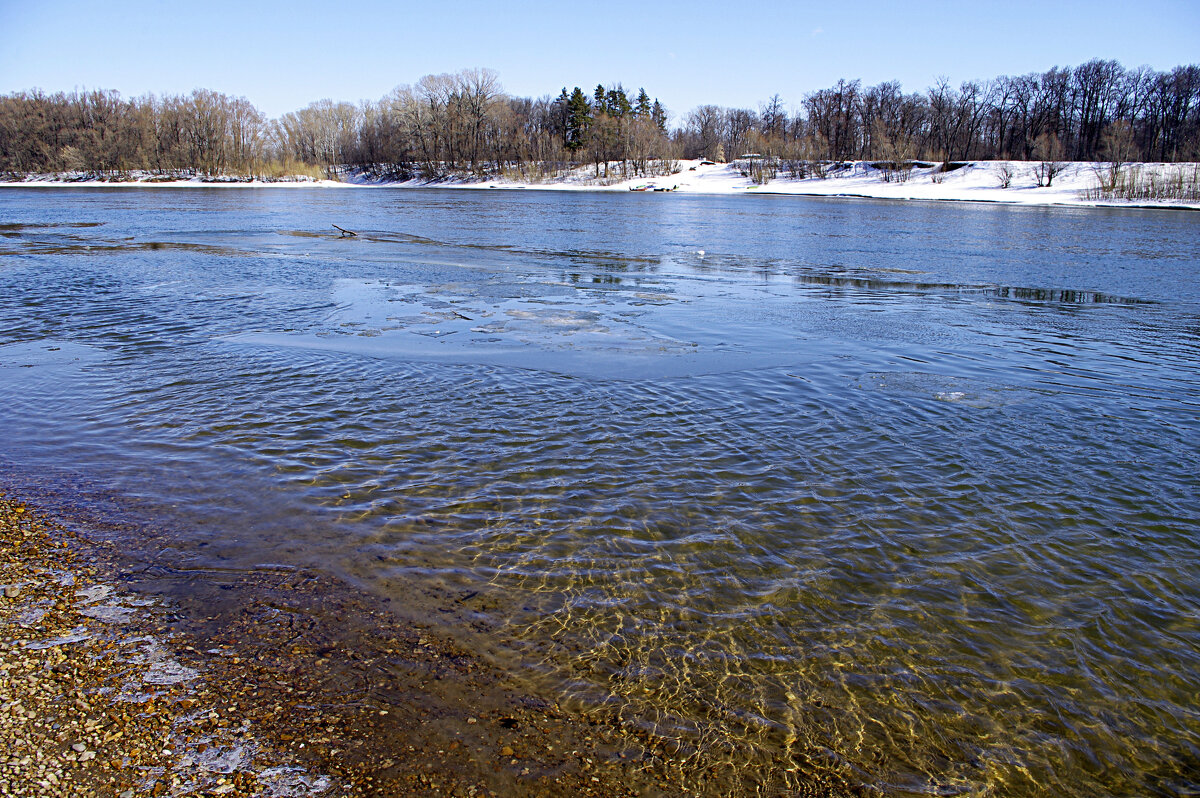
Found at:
(1144, 183)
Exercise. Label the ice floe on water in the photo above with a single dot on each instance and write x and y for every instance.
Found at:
(292, 782)
(207, 755)
(169, 672)
(542, 324)
(49, 352)
(93, 593)
(978, 394)
(109, 613)
(77, 636)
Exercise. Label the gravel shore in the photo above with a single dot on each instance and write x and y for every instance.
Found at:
(119, 681)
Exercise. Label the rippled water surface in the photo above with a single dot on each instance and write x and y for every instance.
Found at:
(903, 494)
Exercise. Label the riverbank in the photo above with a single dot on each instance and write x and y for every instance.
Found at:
(126, 680)
(1005, 182)
(150, 180)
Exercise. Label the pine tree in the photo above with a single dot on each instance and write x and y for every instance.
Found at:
(659, 115)
(617, 102)
(643, 103)
(579, 117)
(561, 115)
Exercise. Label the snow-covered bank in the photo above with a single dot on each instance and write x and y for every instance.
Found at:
(1015, 182)
(975, 181)
(150, 180)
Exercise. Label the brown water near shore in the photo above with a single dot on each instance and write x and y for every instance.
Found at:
(325, 682)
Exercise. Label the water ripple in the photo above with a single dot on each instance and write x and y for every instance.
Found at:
(817, 505)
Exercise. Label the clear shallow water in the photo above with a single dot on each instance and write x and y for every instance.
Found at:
(905, 494)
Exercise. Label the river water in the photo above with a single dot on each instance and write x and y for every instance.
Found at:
(904, 493)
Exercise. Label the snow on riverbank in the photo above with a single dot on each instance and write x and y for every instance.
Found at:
(150, 180)
(975, 181)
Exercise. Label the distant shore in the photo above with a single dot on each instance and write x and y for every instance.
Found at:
(1006, 182)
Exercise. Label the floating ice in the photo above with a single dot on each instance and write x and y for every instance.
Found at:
(78, 635)
(109, 613)
(32, 616)
(291, 782)
(976, 393)
(169, 672)
(215, 759)
(90, 595)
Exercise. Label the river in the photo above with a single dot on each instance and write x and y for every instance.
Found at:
(906, 492)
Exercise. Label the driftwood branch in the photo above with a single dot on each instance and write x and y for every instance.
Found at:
(344, 231)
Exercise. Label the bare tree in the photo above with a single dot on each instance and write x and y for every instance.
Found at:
(1049, 151)
(463, 123)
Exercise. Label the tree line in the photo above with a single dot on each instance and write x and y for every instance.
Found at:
(464, 123)
(1079, 114)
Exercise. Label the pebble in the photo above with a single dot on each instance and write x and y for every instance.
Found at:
(57, 677)
(63, 679)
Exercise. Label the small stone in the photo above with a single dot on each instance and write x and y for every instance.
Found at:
(12, 591)
(126, 794)
(472, 721)
(79, 748)
(506, 751)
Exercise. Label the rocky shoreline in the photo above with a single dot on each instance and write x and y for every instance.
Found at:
(119, 682)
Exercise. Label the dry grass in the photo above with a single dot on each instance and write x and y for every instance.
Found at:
(1142, 183)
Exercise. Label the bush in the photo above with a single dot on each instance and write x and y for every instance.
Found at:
(1005, 174)
(1044, 172)
(279, 170)
(894, 171)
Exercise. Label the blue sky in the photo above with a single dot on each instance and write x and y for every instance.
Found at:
(283, 55)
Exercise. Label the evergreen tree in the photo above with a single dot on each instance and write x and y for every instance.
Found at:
(560, 115)
(579, 117)
(617, 102)
(659, 115)
(642, 108)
